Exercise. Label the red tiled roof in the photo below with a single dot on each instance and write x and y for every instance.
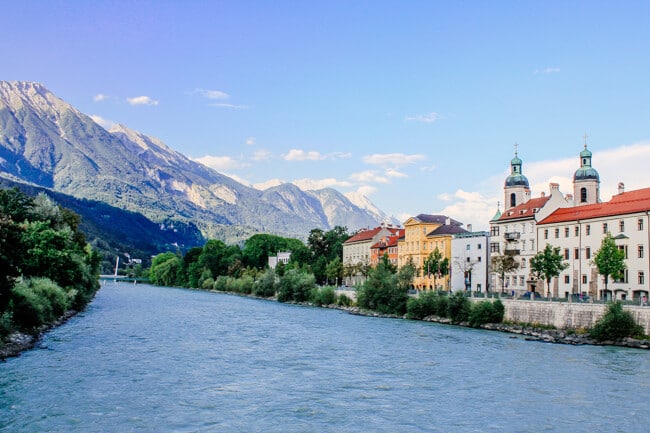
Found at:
(390, 241)
(625, 203)
(524, 210)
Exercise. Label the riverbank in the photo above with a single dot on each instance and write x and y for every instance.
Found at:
(18, 342)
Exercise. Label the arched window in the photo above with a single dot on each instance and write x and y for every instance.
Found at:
(523, 263)
(513, 200)
(583, 195)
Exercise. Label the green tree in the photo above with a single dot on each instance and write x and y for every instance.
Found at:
(382, 292)
(548, 264)
(436, 265)
(502, 265)
(11, 252)
(334, 270)
(165, 268)
(609, 260)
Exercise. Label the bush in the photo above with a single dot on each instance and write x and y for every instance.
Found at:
(428, 303)
(295, 286)
(221, 284)
(485, 312)
(37, 301)
(343, 300)
(615, 324)
(207, 284)
(324, 296)
(6, 324)
(458, 308)
(247, 284)
(265, 286)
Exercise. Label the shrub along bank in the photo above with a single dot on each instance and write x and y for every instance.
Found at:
(46, 266)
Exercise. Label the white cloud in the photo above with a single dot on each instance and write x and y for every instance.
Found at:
(394, 173)
(469, 207)
(221, 163)
(104, 123)
(547, 71)
(392, 159)
(367, 190)
(314, 184)
(100, 97)
(268, 184)
(369, 176)
(238, 179)
(142, 100)
(212, 94)
(425, 118)
(301, 155)
(428, 168)
(225, 105)
(250, 141)
(261, 155)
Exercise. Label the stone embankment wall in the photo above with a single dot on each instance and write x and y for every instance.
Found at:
(566, 315)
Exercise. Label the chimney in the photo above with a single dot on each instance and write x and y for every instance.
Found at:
(569, 197)
(447, 221)
(621, 187)
(469, 227)
(542, 194)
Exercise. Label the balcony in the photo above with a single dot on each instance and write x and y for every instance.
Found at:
(512, 251)
(512, 236)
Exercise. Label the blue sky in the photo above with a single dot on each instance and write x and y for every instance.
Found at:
(417, 104)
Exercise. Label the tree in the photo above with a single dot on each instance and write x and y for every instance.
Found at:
(334, 270)
(382, 292)
(609, 260)
(548, 264)
(502, 265)
(435, 264)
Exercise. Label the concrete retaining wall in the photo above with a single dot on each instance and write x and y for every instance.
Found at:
(563, 315)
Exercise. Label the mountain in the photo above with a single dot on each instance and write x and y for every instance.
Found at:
(45, 141)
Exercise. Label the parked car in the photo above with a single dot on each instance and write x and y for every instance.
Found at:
(531, 295)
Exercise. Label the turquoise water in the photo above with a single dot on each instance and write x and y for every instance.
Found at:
(150, 359)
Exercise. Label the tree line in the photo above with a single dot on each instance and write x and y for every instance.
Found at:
(46, 266)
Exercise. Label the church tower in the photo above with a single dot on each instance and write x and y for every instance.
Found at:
(516, 189)
(586, 182)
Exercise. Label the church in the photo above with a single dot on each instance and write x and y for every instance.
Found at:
(576, 223)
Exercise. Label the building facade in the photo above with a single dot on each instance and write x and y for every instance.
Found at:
(579, 232)
(357, 252)
(387, 246)
(470, 261)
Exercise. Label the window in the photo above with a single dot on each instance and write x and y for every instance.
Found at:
(587, 253)
(478, 287)
(621, 226)
(641, 277)
(588, 228)
(467, 247)
(521, 280)
(640, 223)
(566, 254)
(557, 233)
(523, 263)
(566, 232)
(576, 230)
(566, 279)
(604, 227)
(479, 246)
(513, 200)
(494, 247)
(576, 253)
(623, 248)
(479, 259)
(640, 251)
(494, 231)
(545, 233)
(467, 259)
(583, 195)
(584, 279)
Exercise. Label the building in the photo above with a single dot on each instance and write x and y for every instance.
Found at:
(387, 246)
(422, 235)
(470, 261)
(579, 232)
(513, 232)
(283, 256)
(356, 252)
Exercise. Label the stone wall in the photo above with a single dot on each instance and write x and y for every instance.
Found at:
(564, 315)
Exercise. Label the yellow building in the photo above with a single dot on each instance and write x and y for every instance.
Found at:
(422, 235)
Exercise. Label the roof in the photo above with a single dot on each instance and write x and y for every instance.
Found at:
(436, 219)
(621, 204)
(366, 235)
(451, 229)
(525, 210)
(391, 241)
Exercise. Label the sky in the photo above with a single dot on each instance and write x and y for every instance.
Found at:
(416, 104)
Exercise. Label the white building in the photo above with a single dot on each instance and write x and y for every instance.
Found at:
(579, 232)
(470, 261)
(356, 251)
(283, 256)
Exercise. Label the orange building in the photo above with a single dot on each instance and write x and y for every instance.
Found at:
(386, 246)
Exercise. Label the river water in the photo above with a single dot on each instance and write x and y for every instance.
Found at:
(151, 359)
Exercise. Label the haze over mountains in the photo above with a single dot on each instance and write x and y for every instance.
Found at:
(45, 141)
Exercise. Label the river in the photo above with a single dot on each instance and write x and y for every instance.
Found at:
(152, 359)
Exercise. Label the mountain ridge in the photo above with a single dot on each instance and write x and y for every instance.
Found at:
(47, 142)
